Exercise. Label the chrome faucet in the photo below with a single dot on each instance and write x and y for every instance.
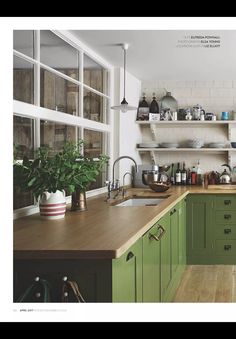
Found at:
(123, 188)
(115, 185)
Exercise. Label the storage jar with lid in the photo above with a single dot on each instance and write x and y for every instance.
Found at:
(169, 102)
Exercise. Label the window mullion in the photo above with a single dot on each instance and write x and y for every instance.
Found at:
(81, 78)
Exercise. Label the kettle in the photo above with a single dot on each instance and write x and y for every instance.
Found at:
(225, 177)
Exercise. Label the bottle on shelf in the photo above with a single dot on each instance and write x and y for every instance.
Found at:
(199, 173)
(178, 175)
(184, 175)
(154, 108)
(194, 176)
(189, 182)
(172, 176)
(143, 109)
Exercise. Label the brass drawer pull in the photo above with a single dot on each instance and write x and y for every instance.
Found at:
(227, 202)
(152, 236)
(163, 231)
(130, 255)
(227, 230)
(227, 247)
(227, 216)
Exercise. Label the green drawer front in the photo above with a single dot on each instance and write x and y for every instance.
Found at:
(228, 217)
(225, 247)
(225, 231)
(225, 202)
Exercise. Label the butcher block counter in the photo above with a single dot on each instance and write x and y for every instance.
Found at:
(103, 231)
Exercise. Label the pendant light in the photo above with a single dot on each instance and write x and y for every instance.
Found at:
(124, 106)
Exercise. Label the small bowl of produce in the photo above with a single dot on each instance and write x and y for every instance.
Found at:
(159, 186)
(233, 144)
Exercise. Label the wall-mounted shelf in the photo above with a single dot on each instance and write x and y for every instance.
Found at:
(187, 122)
(209, 150)
(229, 124)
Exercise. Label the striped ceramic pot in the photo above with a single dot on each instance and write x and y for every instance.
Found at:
(53, 205)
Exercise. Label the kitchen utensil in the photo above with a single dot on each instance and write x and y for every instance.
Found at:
(225, 116)
(216, 145)
(195, 143)
(159, 186)
(169, 145)
(148, 145)
(197, 111)
(225, 177)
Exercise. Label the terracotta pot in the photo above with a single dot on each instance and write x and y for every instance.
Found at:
(53, 205)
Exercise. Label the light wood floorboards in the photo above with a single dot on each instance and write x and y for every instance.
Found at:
(207, 283)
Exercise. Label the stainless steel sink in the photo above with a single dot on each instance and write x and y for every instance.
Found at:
(141, 202)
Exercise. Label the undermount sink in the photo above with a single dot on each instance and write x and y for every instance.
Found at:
(141, 201)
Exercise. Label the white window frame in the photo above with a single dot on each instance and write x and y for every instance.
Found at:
(34, 111)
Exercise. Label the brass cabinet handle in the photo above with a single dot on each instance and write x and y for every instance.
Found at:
(227, 216)
(163, 231)
(172, 212)
(227, 202)
(227, 247)
(130, 255)
(227, 230)
(152, 236)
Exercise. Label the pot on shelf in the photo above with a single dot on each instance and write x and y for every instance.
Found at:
(53, 205)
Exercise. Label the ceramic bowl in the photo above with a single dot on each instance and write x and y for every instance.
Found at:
(159, 186)
(233, 144)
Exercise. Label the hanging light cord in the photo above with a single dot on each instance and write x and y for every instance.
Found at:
(124, 69)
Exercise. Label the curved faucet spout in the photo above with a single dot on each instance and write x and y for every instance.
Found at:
(118, 159)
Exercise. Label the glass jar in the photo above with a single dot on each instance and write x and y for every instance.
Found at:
(169, 102)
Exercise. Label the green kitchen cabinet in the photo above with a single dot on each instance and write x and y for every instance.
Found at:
(127, 275)
(165, 257)
(174, 231)
(199, 228)
(182, 233)
(151, 264)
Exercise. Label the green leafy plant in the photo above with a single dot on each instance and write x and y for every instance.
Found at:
(68, 170)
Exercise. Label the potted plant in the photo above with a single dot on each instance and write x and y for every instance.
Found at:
(48, 176)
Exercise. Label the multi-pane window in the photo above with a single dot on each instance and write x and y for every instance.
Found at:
(23, 80)
(58, 94)
(47, 73)
(23, 139)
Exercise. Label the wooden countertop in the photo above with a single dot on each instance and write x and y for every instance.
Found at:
(104, 231)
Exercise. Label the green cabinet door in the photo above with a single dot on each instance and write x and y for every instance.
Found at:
(127, 275)
(174, 231)
(199, 228)
(165, 256)
(182, 232)
(151, 264)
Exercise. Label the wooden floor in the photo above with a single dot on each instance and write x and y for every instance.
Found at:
(207, 283)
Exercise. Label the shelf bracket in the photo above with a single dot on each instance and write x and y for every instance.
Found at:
(229, 131)
(153, 128)
(153, 157)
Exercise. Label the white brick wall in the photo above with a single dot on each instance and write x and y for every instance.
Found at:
(214, 95)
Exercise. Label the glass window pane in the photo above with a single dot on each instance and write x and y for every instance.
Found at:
(95, 106)
(95, 75)
(55, 135)
(23, 41)
(58, 94)
(23, 137)
(58, 54)
(23, 80)
(95, 144)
